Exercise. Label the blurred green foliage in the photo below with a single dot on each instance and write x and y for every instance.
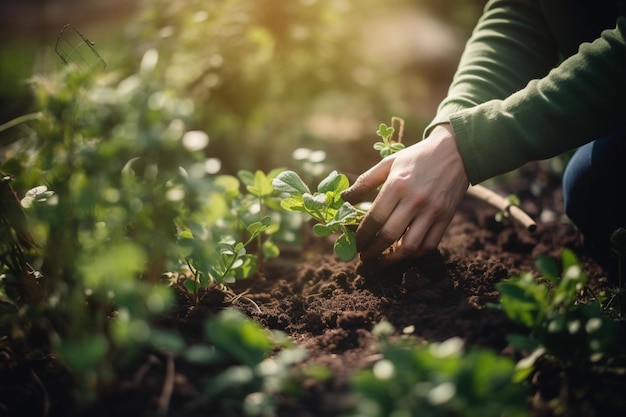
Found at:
(131, 170)
(415, 378)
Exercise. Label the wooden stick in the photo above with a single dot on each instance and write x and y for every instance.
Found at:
(501, 203)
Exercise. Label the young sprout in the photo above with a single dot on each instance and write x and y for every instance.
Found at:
(388, 146)
(325, 206)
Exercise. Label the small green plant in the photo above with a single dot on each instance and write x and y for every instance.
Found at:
(512, 200)
(325, 206)
(388, 146)
(249, 378)
(233, 233)
(221, 264)
(418, 378)
(261, 202)
(576, 334)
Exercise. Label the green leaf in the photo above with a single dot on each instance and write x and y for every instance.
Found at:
(85, 354)
(186, 234)
(347, 214)
(238, 337)
(322, 230)
(192, 286)
(293, 204)
(385, 131)
(313, 203)
(379, 146)
(333, 182)
(259, 227)
(568, 258)
(246, 266)
(270, 250)
(396, 147)
(247, 177)
(526, 366)
(522, 342)
(548, 268)
(345, 246)
(513, 200)
(261, 186)
(201, 354)
(228, 184)
(290, 182)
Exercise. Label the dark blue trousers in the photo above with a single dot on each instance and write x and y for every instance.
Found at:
(594, 186)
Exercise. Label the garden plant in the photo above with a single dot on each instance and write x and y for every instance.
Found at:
(155, 255)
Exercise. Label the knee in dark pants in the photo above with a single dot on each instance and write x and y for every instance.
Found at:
(595, 194)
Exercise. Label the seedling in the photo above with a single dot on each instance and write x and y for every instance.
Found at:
(576, 334)
(257, 204)
(221, 264)
(325, 206)
(413, 377)
(388, 146)
(513, 201)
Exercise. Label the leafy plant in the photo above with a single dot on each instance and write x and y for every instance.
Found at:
(248, 378)
(233, 245)
(415, 378)
(128, 196)
(576, 334)
(388, 146)
(325, 206)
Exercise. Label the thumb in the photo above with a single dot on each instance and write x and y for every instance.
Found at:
(367, 183)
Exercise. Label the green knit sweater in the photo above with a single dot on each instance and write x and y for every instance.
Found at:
(523, 92)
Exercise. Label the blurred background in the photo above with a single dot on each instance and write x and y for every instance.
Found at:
(262, 77)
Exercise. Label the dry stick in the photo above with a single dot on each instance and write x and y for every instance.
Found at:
(168, 387)
(501, 203)
(44, 392)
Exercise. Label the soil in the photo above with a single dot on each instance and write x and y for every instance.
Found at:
(330, 307)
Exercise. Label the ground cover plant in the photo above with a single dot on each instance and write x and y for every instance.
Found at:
(140, 276)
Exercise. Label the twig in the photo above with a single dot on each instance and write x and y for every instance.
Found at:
(143, 370)
(400, 127)
(234, 297)
(501, 203)
(21, 119)
(44, 391)
(168, 387)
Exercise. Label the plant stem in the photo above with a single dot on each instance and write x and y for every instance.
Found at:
(21, 119)
(400, 127)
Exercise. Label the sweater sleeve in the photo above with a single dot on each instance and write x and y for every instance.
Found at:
(510, 45)
(581, 99)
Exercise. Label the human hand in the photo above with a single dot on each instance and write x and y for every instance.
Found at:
(422, 186)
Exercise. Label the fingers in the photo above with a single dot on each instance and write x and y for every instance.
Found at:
(367, 182)
(409, 231)
(414, 244)
(381, 227)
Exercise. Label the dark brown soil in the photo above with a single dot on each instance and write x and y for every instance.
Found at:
(330, 307)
